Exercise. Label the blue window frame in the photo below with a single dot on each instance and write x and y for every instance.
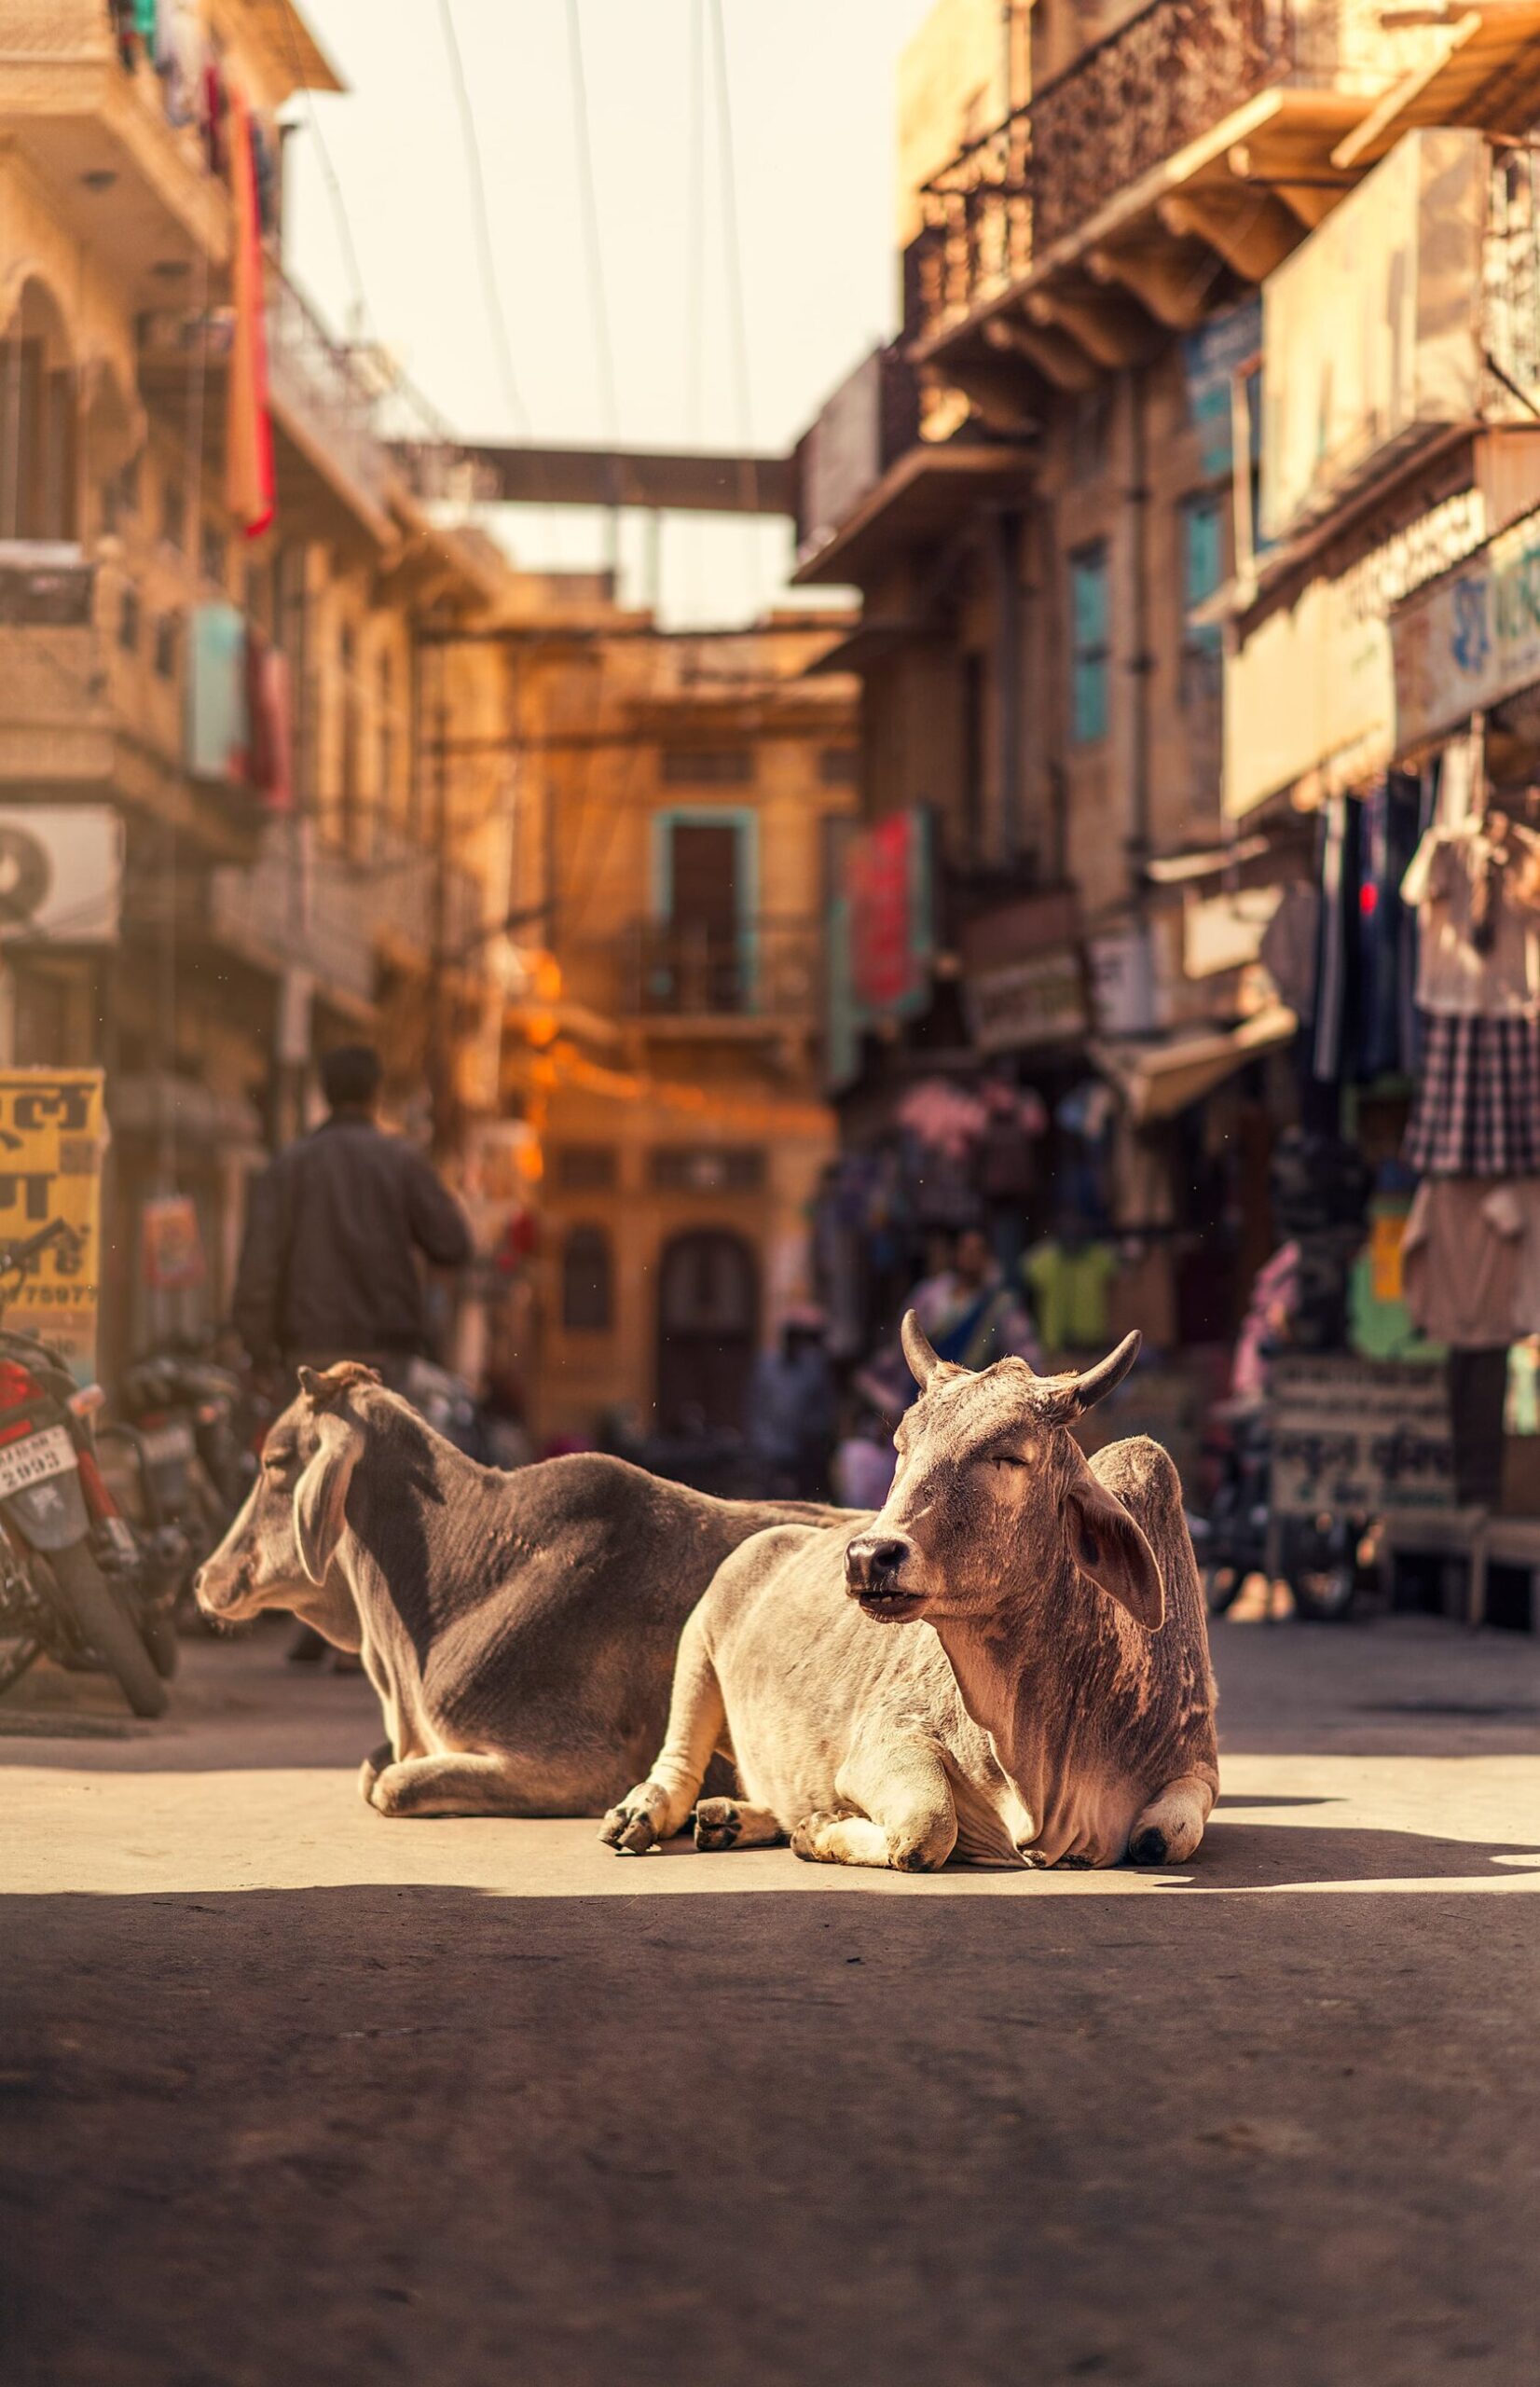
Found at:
(1203, 561)
(1089, 657)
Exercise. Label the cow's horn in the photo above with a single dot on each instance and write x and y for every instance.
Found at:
(1097, 1381)
(317, 1388)
(922, 1360)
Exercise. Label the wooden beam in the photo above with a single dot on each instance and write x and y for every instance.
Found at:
(1112, 331)
(1251, 232)
(1173, 278)
(1309, 185)
(1060, 361)
(509, 472)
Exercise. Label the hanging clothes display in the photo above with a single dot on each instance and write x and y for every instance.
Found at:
(1477, 889)
(1470, 1261)
(249, 485)
(1477, 1106)
(1069, 1283)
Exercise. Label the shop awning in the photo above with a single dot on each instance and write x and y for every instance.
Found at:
(920, 501)
(1158, 1080)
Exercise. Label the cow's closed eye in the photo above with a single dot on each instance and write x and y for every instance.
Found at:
(1008, 1458)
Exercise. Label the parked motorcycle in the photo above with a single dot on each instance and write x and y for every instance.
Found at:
(186, 1431)
(75, 1581)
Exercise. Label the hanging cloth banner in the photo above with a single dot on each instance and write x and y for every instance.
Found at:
(248, 431)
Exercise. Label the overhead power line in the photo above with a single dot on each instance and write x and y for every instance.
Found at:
(598, 300)
(358, 301)
(485, 260)
(728, 167)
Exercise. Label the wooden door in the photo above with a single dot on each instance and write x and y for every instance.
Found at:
(705, 919)
(707, 1329)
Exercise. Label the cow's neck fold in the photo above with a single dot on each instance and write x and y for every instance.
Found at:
(1030, 1671)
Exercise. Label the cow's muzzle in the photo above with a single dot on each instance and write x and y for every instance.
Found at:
(874, 1572)
(221, 1591)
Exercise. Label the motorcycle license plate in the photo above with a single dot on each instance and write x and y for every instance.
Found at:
(168, 1442)
(49, 1452)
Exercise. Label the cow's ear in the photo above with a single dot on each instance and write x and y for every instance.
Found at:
(1107, 1544)
(321, 1494)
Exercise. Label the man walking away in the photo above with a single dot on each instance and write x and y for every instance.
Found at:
(336, 1228)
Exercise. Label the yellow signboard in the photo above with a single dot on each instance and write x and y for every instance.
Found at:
(52, 1141)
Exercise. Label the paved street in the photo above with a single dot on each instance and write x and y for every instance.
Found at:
(296, 2094)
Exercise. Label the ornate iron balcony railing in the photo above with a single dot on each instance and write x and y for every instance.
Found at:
(1170, 73)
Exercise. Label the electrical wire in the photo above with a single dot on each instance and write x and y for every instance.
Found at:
(359, 304)
(728, 169)
(738, 311)
(694, 228)
(694, 280)
(603, 351)
(485, 260)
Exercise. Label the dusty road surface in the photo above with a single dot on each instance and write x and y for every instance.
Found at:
(291, 2095)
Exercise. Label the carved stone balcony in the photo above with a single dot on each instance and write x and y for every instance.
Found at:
(1182, 157)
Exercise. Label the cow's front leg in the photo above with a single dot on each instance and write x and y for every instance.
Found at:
(372, 1768)
(1168, 1830)
(906, 1818)
(657, 1808)
(733, 1823)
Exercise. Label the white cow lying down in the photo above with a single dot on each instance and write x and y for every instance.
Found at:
(1055, 1705)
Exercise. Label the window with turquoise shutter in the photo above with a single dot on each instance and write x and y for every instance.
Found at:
(1088, 654)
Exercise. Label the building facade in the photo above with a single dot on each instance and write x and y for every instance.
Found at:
(236, 727)
(676, 800)
(1056, 496)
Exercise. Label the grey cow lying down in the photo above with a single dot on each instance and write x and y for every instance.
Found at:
(1050, 1702)
(519, 1629)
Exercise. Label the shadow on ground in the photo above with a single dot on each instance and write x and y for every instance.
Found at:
(418, 2134)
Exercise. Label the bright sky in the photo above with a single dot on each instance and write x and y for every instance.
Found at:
(810, 92)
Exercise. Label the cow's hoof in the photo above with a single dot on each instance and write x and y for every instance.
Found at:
(629, 1828)
(1076, 1865)
(808, 1838)
(1148, 1847)
(717, 1824)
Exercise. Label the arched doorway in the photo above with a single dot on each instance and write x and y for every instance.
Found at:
(708, 1309)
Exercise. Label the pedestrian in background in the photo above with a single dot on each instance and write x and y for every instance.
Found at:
(791, 1419)
(337, 1229)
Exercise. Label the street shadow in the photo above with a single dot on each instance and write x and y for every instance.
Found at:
(396, 2133)
(1272, 1856)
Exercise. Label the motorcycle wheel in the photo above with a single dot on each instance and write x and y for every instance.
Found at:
(14, 1661)
(98, 1617)
(160, 1638)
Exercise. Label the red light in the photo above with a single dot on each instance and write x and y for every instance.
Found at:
(17, 1384)
(1369, 902)
(93, 1484)
(16, 1432)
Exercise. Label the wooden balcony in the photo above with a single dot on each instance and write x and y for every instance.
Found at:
(333, 470)
(764, 978)
(1169, 168)
(123, 178)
